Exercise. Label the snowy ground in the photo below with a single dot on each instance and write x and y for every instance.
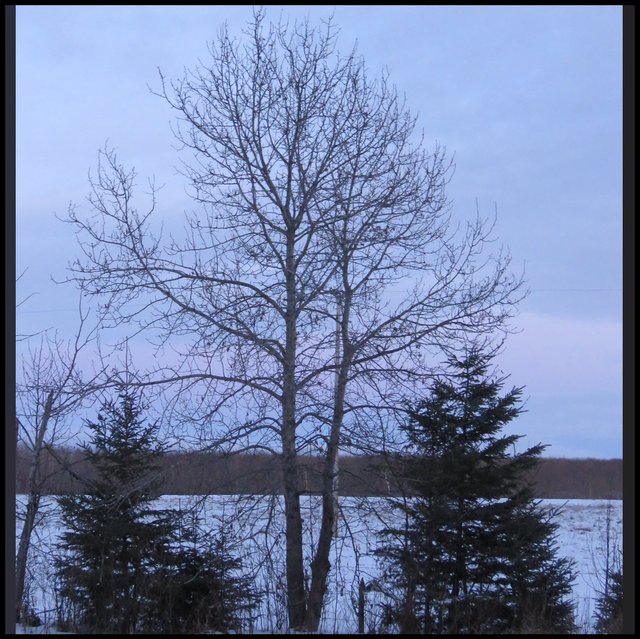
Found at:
(257, 522)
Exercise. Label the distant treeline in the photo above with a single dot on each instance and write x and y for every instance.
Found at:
(206, 473)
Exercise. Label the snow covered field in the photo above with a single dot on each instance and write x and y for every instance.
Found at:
(257, 524)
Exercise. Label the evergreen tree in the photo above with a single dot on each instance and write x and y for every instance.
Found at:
(121, 555)
(609, 605)
(197, 587)
(475, 553)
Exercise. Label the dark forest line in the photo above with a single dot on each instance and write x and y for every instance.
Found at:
(206, 473)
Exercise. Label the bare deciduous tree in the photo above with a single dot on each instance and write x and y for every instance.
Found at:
(321, 277)
(50, 390)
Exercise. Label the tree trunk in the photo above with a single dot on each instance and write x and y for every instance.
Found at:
(361, 602)
(295, 567)
(321, 565)
(33, 504)
(296, 600)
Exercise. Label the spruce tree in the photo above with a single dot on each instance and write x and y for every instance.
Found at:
(197, 587)
(609, 605)
(112, 530)
(125, 565)
(474, 552)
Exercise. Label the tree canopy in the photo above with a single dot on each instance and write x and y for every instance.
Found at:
(319, 275)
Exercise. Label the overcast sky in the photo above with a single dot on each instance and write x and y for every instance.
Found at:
(529, 99)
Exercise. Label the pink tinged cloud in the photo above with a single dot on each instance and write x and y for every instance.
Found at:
(561, 355)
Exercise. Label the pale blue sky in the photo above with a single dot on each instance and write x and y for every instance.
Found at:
(528, 98)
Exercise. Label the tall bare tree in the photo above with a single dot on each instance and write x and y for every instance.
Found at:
(320, 278)
(50, 390)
